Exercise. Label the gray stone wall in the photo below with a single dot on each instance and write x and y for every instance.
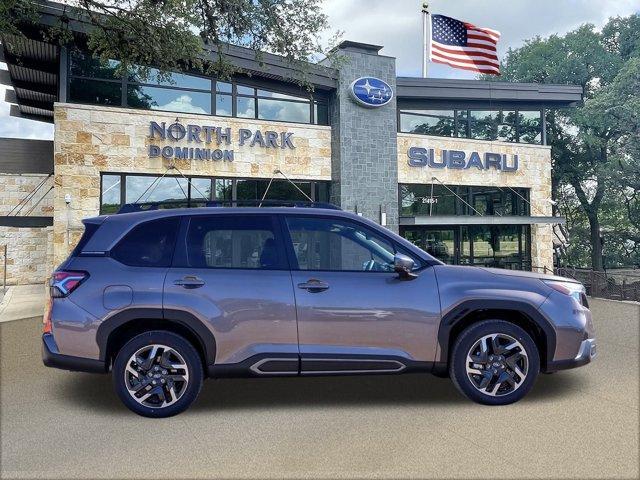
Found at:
(364, 168)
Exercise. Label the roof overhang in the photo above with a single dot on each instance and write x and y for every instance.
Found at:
(480, 220)
(468, 93)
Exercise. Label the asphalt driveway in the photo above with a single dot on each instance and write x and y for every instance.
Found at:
(580, 424)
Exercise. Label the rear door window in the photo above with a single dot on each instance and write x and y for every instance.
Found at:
(149, 244)
(238, 241)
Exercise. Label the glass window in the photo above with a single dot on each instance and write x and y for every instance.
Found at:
(246, 190)
(149, 244)
(95, 92)
(529, 127)
(462, 119)
(428, 122)
(201, 189)
(497, 246)
(156, 98)
(223, 241)
(321, 113)
(506, 124)
(152, 75)
(223, 189)
(224, 87)
(284, 190)
(267, 93)
(338, 245)
(143, 189)
(322, 192)
(224, 105)
(418, 200)
(83, 64)
(283, 111)
(242, 90)
(111, 188)
(245, 107)
(484, 125)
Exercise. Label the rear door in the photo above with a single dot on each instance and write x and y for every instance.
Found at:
(231, 272)
(354, 313)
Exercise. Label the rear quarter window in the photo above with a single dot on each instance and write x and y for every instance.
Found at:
(149, 244)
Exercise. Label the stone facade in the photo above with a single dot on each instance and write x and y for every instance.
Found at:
(89, 140)
(534, 173)
(28, 249)
(364, 142)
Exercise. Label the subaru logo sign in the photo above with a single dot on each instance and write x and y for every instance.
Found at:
(371, 92)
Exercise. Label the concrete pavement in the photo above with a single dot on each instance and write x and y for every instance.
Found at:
(23, 301)
(581, 423)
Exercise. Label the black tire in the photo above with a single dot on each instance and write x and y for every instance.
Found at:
(180, 345)
(468, 338)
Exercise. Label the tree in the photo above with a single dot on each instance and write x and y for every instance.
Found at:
(594, 146)
(172, 35)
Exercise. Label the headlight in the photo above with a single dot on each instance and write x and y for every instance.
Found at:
(574, 290)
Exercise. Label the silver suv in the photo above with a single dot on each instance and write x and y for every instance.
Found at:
(165, 298)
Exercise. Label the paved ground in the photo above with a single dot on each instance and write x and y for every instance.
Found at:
(22, 301)
(579, 424)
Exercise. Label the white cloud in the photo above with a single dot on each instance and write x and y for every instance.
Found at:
(184, 103)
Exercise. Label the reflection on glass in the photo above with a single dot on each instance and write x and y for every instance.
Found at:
(463, 124)
(152, 75)
(283, 111)
(267, 93)
(200, 189)
(223, 105)
(85, 65)
(506, 122)
(322, 192)
(95, 92)
(223, 189)
(242, 90)
(141, 189)
(484, 125)
(428, 122)
(223, 87)
(110, 201)
(283, 190)
(530, 129)
(245, 107)
(418, 200)
(321, 113)
(156, 98)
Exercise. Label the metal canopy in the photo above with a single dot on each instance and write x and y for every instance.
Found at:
(479, 220)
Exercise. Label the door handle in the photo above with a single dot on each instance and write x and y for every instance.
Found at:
(314, 285)
(189, 281)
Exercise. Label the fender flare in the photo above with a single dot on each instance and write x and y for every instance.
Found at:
(180, 317)
(459, 312)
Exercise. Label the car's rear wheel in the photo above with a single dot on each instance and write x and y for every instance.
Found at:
(494, 362)
(157, 374)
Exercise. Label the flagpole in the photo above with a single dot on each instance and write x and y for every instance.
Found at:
(426, 37)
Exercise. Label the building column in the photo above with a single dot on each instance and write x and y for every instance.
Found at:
(364, 164)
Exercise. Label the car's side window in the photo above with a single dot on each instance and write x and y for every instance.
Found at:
(238, 241)
(149, 244)
(338, 245)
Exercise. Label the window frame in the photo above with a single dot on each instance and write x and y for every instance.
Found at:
(125, 82)
(181, 256)
(420, 264)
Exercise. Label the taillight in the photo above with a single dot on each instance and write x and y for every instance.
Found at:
(63, 282)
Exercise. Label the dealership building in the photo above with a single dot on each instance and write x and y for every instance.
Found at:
(460, 167)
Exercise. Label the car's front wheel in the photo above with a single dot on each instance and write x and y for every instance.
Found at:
(494, 362)
(157, 374)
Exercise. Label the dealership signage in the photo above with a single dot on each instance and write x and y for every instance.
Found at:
(198, 135)
(370, 92)
(457, 159)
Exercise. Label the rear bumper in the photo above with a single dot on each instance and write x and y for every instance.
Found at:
(586, 353)
(52, 358)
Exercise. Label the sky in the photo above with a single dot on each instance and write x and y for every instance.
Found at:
(397, 25)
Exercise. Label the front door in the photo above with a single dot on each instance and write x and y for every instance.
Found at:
(354, 313)
(231, 272)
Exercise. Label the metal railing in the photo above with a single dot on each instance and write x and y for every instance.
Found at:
(602, 284)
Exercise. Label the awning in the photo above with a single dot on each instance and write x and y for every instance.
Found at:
(480, 220)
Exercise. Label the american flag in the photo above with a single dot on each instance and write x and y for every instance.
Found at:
(463, 45)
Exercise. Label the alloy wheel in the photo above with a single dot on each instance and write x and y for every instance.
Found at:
(156, 376)
(497, 364)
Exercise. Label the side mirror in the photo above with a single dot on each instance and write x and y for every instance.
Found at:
(403, 265)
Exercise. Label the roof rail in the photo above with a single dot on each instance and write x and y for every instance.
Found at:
(144, 206)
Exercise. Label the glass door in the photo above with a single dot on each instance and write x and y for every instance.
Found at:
(439, 242)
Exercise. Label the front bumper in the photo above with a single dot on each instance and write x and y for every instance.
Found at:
(51, 357)
(586, 353)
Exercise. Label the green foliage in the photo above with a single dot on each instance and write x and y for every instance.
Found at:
(172, 35)
(596, 146)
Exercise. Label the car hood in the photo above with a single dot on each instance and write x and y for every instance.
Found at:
(523, 274)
